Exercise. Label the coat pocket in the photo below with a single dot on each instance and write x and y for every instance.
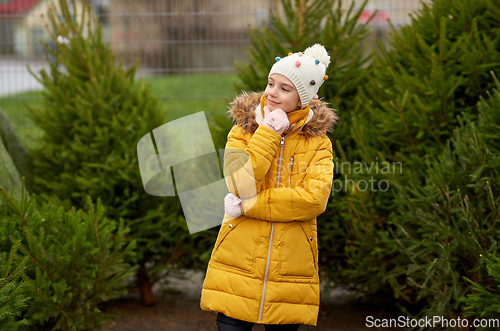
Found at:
(237, 245)
(296, 253)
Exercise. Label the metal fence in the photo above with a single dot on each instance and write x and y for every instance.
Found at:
(168, 36)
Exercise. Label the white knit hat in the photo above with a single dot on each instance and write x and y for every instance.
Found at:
(305, 70)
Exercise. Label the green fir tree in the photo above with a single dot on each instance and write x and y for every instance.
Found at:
(13, 300)
(93, 114)
(434, 72)
(443, 226)
(73, 261)
(484, 301)
(292, 26)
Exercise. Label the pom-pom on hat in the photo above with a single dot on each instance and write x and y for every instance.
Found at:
(306, 70)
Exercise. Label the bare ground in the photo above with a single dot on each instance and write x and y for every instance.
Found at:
(178, 308)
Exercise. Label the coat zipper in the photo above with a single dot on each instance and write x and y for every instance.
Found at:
(271, 237)
(291, 170)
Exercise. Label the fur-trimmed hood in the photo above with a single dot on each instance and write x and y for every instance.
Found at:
(242, 112)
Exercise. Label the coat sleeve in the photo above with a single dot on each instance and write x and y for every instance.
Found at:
(246, 164)
(300, 203)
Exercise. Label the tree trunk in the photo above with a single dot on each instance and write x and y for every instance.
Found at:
(147, 296)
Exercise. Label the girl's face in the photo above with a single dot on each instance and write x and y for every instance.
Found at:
(281, 93)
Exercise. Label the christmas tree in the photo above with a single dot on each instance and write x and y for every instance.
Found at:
(443, 226)
(422, 88)
(13, 300)
(292, 26)
(93, 114)
(69, 261)
(484, 301)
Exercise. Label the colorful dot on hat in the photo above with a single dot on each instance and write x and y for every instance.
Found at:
(277, 58)
(300, 53)
(316, 61)
(315, 97)
(297, 63)
(312, 82)
(290, 53)
(325, 78)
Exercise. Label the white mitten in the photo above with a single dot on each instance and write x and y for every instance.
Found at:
(232, 205)
(276, 120)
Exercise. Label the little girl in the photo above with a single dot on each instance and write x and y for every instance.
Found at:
(264, 265)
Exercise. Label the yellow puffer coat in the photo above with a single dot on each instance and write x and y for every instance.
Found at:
(264, 265)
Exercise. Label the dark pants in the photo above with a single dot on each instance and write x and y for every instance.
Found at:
(225, 323)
